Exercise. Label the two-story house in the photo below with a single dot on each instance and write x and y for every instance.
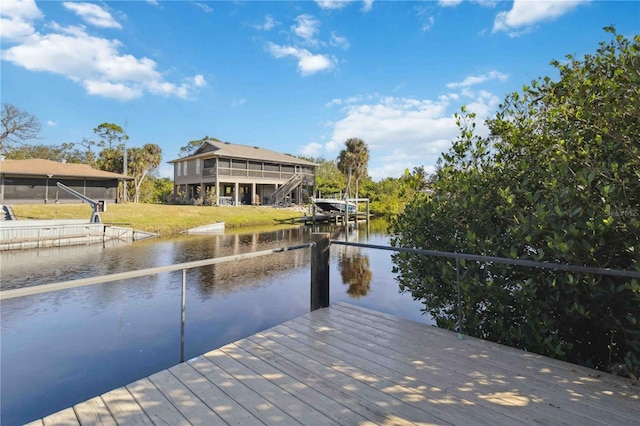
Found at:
(235, 174)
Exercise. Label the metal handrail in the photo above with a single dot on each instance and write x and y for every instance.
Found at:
(319, 272)
(82, 282)
(503, 260)
(493, 259)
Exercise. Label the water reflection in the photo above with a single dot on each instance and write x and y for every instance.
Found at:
(118, 332)
(355, 272)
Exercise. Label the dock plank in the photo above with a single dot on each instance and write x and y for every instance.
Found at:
(308, 371)
(154, 404)
(94, 412)
(190, 406)
(124, 408)
(364, 386)
(372, 370)
(330, 407)
(442, 386)
(249, 398)
(224, 406)
(268, 390)
(66, 417)
(350, 365)
(533, 373)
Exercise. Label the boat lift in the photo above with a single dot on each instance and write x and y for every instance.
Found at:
(97, 206)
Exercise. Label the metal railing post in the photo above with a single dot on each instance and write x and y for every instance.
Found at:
(459, 327)
(319, 271)
(184, 300)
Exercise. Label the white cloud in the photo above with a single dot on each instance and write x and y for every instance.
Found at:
(312, 149)
(204, 7)
(308, 63)
(401, 133)
(524, 14)
(107, 89)
(199, 81)
(269, 24)
(93, 14)
(332, 4)
(52, 123)
(307, 28)
(449, 3)
(95, 63)
(339, 41)
(394, 168)
(238, 102)
(426, 26)
(486, 3)
(477, 79)
(153, 2)
(16, 18)
(21, 9)
(339, 4)
(426, 21)
(367, 5)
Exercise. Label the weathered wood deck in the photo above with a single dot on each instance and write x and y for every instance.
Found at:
(350, 366)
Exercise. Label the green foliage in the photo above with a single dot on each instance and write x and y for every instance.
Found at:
(193, 145)
(112, 136)
(64, 152)
(141, 162)
(111, 160)
(390, 196)
(557, 180)
(329, 180)
(353, 161)
(162, 189)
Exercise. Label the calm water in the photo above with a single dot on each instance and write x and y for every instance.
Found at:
(62, 348)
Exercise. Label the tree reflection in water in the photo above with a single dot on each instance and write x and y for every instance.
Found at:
(355, 271)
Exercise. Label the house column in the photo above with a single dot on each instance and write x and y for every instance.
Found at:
(235, 193)
(253, 194)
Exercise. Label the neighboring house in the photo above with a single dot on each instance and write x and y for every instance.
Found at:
(35, 181)
(240, 174)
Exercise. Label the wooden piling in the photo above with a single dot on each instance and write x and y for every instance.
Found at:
(320, 271)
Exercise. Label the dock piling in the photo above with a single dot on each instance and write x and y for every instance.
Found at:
(320, 271)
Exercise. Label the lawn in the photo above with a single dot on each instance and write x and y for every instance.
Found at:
(160, 218)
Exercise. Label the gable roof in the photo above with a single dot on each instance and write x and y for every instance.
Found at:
(211, 148)
(41, 167)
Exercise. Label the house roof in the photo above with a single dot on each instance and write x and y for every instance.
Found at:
(39, 166)
(213, 148)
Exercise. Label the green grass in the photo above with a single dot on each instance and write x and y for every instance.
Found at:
(160, 218)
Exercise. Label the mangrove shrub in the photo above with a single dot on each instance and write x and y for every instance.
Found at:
(557, 180)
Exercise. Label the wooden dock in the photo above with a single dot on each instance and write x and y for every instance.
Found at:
(346, 365)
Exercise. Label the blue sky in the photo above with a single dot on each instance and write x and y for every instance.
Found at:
(295, 77)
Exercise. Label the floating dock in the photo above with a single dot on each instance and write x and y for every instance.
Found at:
(345, 365)
(212, 228)
(27, 234)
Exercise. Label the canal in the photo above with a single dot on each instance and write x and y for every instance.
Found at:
(61, 348)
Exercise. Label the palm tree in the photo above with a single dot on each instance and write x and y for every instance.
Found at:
(353, 161)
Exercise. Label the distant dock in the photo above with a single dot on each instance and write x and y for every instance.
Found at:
(332, 217)
(212, 228)
(27, 234)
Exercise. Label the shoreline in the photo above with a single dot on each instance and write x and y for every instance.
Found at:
(165, 219)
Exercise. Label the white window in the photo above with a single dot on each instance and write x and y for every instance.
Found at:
(197, 166)
(185, 167)
(179, 167)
